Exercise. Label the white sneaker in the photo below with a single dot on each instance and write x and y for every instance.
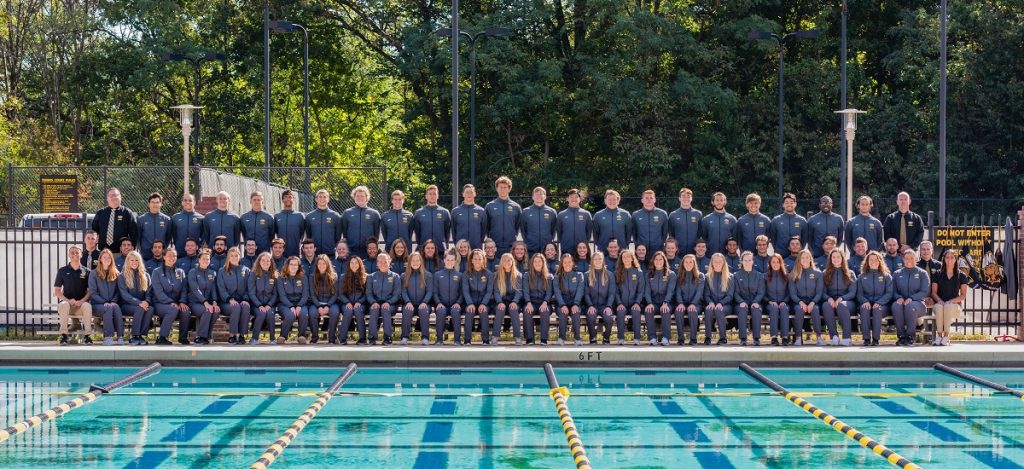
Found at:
(621, 342)
(254, 342)
(845, 342)
(636, 342)
(579, 343)
(664, 341)
(426, 342)
(519, 342)
(561, 342)
(835, 340)
(653, 342)
(798, 341)
(120, 341)
(820, 342)
(273, 342)
(945, 340)
(108, 341)
(403, 342)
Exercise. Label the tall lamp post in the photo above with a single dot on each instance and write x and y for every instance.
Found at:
(781, 39)
(185, 114)
(842, 95)
(850, 130)
(473, 39)
(197, 63)
(942, 111)
(281, 26)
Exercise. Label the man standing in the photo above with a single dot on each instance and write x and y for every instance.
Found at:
(612, 222)
(469, 220)
(223, 222)
(258, 225)
(787, 225)
(823, 224)
(718, 226)
(906, 226)
(684, 222)
(289, 224)
(863, 225)
(573, 224)
(397, 222)
(432, 221)
(114, 222)
(504, 216)
(752, 224)
(650, 224)
(323, 225)
(538, 222)
(153, 226)
(358, 223)
(187, 224)
(71, 287)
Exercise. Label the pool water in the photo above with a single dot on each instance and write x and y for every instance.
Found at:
(435, 418)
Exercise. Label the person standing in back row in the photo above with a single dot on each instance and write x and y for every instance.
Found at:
(823, 224)
(358, 223)
(187, 224)
(718, 226)
(397, 222)
(223, 222)
(864, 226)
(788, 225)
(538, 222)
(323, 225)
(432, 222)
(289, 224)
(469, 220)
(650, 224)
(611, 223)
(573, 224)
(153, 226)
(257, 224)
(684, 223)
(114, 222)
(752, 224)
(906, 226)
(504, 216)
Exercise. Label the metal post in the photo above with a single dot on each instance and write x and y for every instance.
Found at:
(455, 103)
(10, 195)
(305, 102)
(266, 90)
(472, 110)
(782, 74)
(195, 120)
(185, 133)
(842, 102)
(849, 174)
(942, 114)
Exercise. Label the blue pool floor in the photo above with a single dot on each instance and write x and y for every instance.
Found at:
(717, 418)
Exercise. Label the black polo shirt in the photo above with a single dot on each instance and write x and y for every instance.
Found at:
(75, 282)
(949, 288)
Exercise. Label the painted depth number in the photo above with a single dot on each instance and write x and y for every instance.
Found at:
(590, 356)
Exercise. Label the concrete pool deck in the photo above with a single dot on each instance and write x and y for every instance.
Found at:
(967, 354)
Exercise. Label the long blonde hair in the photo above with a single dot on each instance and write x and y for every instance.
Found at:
(110, 273)
(592, 272)
(422, 270)
(227, 259)
(798, 266)
(501, 277)
(257, 267)
(140, 271)
(723, 282)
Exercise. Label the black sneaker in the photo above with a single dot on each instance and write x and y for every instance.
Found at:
(867, 343)
(606, 341)
(723, 341)
(693, 341)
(373, 341)
(387, 341)
(757, 342)
(680, 342)
(874, 342)
(183, 341)
(743, 342)
(775, 341)
(87, 340)
(785, 341)
(232, 340)
(163, 341)
(63, 339)
(361, 342)
(707, 341)
(315, 339)
(241, 340)
(593, 341)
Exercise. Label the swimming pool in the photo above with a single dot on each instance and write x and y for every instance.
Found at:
(503, 418)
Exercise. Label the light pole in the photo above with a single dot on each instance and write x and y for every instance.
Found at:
(842, 97)
(185, 114)
(942, 112)
(281, 26)
(473, 38)
(455, 104)
(266, 90)
(196, 62)
(850, 129)
(781, 39)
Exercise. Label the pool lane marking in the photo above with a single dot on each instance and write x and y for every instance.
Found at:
(148, 459)
(991, 459)
(978, 380)
(560, 395)
(836, 424)
(186, 431)
(275, 449)
(94, 393)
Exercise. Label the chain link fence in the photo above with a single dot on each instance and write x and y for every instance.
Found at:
(21, 186)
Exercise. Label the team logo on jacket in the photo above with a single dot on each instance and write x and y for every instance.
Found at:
(476, 215)
(881, 278)
(455, 278)
(796, 225)
(209, 276)
(508, 209)
(656, 218)
(618, 217)
(391, 280)
(547, 215)
(693, 219)
(633, 277)
(298, 283)
(917, 276)
(579, 217)
(811, 276)
(271, 282)
(439, 215)
(162, 224)
(367, 216)
(263, 221)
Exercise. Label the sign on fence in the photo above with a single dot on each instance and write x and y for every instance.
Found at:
(58, 193)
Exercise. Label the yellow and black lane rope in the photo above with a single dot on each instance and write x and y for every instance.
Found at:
(836, 424)
(977, 380)
(94, 393)
(274, 450)
(560, 395)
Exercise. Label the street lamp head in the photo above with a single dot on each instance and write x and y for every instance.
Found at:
(755, 35)
(498, 32)
(282, 26)
(812, 34)
(185, 115)
(444, 32)
(850, 118)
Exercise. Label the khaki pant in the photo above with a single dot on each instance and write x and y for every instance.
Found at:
(945, 314)
(65, 312)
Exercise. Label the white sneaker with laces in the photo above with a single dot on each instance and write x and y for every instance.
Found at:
(621, 342)
(845, 342)
(664, 341)
(653, 342)
(798, 341)
(561, 342)
(820, 342)
(835, 340)
(404, 342)
(579, 343)
(426, 342)
(519, 342)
